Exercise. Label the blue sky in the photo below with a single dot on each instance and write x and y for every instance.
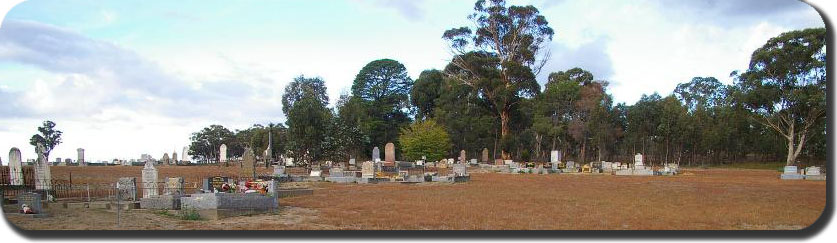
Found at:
(123, 78)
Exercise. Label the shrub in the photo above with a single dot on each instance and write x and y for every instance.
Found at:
(424, 138)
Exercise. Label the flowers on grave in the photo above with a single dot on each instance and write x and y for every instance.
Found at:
(25, 209)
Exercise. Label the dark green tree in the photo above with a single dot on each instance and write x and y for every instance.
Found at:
(500, 56)
(49, 137)
(207, 142)
(308, 119)
(427, 89)
(384, 86)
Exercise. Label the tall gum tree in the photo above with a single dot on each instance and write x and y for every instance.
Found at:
(500, 56)
(784, 86)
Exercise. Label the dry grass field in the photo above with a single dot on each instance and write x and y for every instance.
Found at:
(700, 199)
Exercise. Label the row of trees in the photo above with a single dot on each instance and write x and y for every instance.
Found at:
(488, 97)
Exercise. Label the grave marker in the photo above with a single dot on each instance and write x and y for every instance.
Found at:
(389, 152)
(249, 165)
(174, 186)
(485, 155)
(15, 167)
(149, 180)
(376, 154)
(43, 177)
(367, 170)
(223, 153)
(80, 158)
(127, 187)
(32, 200)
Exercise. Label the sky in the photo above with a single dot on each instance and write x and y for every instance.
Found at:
(123, 78)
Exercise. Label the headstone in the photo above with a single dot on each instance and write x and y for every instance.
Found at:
(43, 177)
(173, 186)
(485, 155)
(474, 161)
(31, 200)
(149, 180)
(166, 160)
(351, 161)
(335, 172)
(127, 187)
(813, 171)
(223, 154)
(249, 165)
(556, 156)
(68, 161)
(279, 170)
(460, 170)
(80, 159)
(791, 170)
(185, 155)
(499, 162)
(389, 152)
(174, 158)
(367, 170)
(15, 167)
(61, 162)
(638, 163)
(376, 154)
(462, 156)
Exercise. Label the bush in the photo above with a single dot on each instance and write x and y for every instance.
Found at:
(187, 213)
(424, 138)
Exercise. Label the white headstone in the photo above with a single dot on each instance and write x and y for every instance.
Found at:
(554, 158)
(638, 163)
(813, 170)
(367, 169)
(791, 170)
(43, 177)
(15, 167)
(352, 161)
(376, 154)
(185, 155)
(223, 154)
(316, 173)
(174, 158)
(149, 180)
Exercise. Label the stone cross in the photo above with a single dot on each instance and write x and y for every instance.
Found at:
(149, 180)
(462, 157)
(15, 167)
(376, 154)
(249, 165)
(223, 154)
(389, 152)
(485, 155)
(80, 159)
(43, 177)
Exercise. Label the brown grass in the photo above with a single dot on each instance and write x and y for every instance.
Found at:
(701, 199)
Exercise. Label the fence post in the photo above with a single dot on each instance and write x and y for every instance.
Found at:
(88, 192)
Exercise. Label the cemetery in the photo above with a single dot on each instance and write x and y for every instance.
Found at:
(250, 191)
(485, 131)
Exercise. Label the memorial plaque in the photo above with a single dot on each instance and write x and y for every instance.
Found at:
(30, 199)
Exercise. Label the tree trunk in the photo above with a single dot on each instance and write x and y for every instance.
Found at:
(504, 130)
(583, 145)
